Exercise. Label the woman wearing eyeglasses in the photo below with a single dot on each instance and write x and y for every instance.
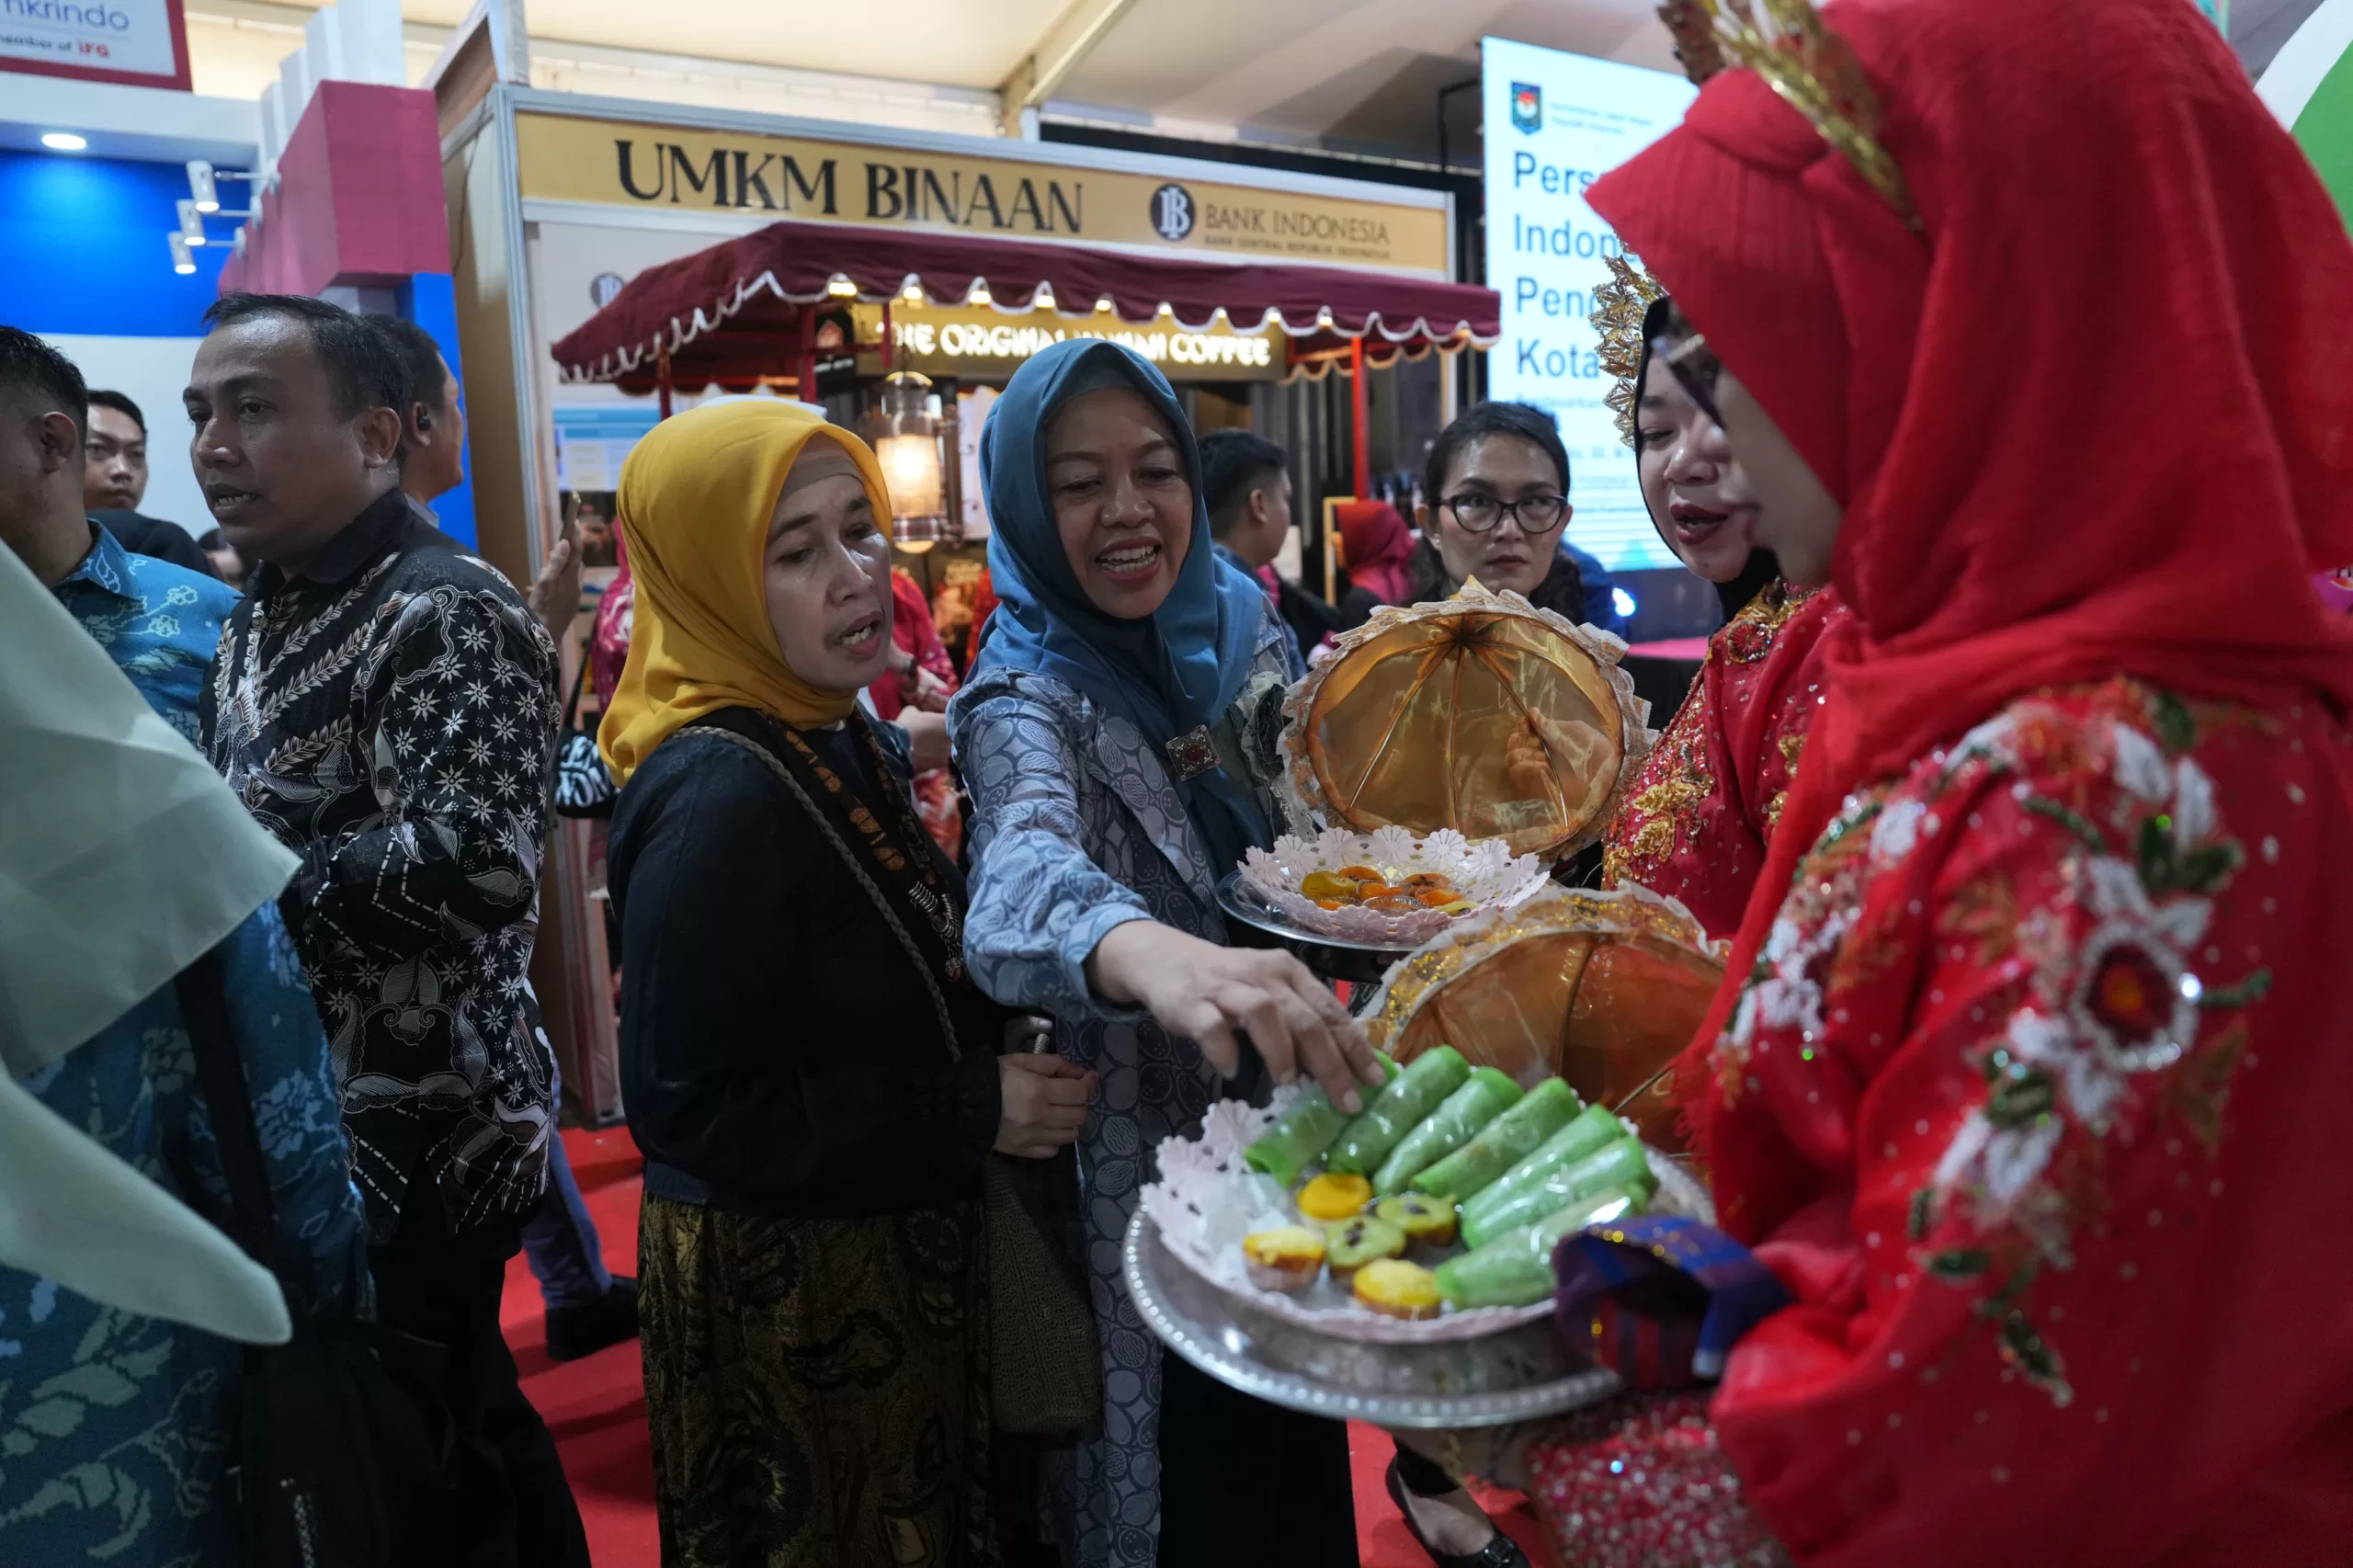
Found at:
(1497, 489)
(1699, 814)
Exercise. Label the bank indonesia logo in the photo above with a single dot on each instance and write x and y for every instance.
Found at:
(1172, 212)
(1527, 105)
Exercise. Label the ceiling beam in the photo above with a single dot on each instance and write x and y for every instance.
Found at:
(1044, 68)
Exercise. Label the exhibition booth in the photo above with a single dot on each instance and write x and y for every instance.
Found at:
(612, 258)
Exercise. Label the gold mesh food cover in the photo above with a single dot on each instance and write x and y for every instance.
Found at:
(1480, 713)
(1604, 989)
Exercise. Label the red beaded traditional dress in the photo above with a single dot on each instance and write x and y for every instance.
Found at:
(912, 629)
(2033, 1088)
(1699, 814)
(616, 617)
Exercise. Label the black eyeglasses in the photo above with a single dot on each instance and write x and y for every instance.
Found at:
(1478, 512)
(1695, 367)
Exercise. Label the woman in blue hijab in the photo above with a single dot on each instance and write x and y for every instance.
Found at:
(1112, 737)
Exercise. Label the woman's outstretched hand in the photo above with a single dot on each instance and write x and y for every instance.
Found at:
(1208, 992)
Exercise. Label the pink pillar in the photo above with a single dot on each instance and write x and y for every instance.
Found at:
(359, 199)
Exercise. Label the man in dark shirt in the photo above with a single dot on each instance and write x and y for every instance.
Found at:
(1247, 493)
(588, 1307)
(385, 704)
(114, 481)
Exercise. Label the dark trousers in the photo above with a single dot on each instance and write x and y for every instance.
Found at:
(513, 1507)
(1242, 1481)
(560, 1240)
(1424, 1477)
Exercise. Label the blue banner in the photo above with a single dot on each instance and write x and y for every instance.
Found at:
(1555, 123)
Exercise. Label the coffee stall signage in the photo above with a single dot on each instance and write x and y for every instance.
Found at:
(622, 163)
(985, 344)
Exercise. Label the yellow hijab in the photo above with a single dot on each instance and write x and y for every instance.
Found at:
(696, 498)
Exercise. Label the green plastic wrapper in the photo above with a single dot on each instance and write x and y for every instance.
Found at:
(1595, 1129)
(1301, 1134)
(1411, 1096)
(1502, 1144)
(1618, 1166)
(1487, 1096)
(1515, 1268)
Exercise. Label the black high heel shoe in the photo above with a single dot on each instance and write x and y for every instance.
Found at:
(1501, 1550)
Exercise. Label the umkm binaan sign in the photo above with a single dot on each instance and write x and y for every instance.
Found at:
(607, 163)
(722, 177)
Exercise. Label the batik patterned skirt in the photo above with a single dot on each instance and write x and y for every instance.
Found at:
(817, 1389)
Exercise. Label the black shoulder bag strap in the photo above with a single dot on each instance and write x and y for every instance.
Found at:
(572, 699)
(221, 1077)
(343, 1444)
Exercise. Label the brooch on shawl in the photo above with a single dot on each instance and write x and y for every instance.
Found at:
(1192, 753)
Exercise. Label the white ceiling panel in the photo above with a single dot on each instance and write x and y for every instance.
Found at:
(1306, 65)
(1361, 72)
(962, 43)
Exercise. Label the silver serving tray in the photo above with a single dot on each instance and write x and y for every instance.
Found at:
(1519, 1374)
(1333, 958)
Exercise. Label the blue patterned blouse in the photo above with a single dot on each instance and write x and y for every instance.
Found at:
(160, 622)
(114, 1428)
(1077, 829)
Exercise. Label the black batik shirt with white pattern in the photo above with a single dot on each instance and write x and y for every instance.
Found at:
(389, 712)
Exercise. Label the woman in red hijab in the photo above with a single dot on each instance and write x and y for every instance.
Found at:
(1699, 816)
(2033, 1081)
(1376, 545)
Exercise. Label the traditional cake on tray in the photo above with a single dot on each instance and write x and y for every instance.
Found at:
(1525, 1102)
(1475, 1184)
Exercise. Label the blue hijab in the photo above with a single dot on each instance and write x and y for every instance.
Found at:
(1167, 675)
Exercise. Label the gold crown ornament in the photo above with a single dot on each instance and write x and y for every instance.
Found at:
(1619, 307)
(1695, 40)
(1813, 68)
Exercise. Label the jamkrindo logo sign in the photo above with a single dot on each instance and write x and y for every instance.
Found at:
(617, 164)
(143, 42)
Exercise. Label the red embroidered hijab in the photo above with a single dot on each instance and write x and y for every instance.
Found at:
(2094, 419)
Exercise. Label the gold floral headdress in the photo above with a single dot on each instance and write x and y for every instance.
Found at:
(1695, 40)
(1813, 68)
(1619, 306)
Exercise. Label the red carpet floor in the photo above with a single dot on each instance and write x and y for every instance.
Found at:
(595, 1407)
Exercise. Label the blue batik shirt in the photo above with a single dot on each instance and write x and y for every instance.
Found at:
(159, 623)
(115, 1428)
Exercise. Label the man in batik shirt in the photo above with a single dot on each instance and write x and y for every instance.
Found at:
(386, 705)
(588, 1306)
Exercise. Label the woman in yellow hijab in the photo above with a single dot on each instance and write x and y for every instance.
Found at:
(810, 1073)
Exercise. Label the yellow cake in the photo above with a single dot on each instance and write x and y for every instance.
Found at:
(1334, 1197)
(1286, 1259)
(1398, 1289)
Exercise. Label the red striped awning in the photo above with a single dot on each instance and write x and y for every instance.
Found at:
(733, 314)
